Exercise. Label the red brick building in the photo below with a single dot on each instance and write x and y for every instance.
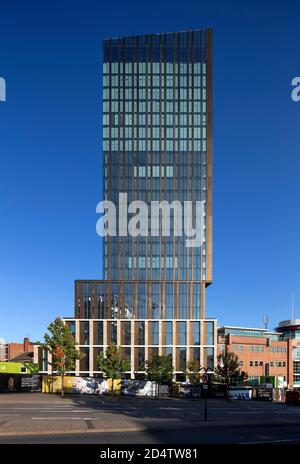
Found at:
(261, 352)
(13, 350)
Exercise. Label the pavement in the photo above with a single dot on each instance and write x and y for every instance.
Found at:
(262, 435)
(36, 417)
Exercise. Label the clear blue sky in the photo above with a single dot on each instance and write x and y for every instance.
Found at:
(50, 147)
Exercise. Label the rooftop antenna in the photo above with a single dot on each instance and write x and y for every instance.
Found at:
(266, 321)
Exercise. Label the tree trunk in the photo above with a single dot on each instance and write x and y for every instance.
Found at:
(112, 387)
(62, 386)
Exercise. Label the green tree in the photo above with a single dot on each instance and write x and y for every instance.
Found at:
(228, 370)
(193, 372)
(159, 370)
(62, 347)
(112, 364)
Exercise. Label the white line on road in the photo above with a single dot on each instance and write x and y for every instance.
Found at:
(63, 412)
(86, 410)
(62, 418)
(62, 408)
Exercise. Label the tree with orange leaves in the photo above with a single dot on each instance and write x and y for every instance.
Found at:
(62, 346)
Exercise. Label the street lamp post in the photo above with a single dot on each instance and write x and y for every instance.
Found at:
(205, 379)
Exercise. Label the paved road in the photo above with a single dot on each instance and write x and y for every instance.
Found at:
(138, 419)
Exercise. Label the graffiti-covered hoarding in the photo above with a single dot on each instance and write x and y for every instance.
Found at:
(95, 386)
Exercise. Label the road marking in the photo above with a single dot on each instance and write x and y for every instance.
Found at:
(69, 411)
(62, 418)
(100, 413)
(61, 408)
(85, 410)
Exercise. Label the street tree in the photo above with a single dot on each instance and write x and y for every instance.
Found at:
(228, 370)
(61, 344)
(112, 364)
(159, 370)
(193, 372)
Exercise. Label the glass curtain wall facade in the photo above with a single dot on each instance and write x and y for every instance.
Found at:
(157, 146)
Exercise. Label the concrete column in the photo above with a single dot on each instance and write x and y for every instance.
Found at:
(188, 341)
(104, 335)
(174, 345)
(36, 351)
(202, 334)
(91, 343)
(215, 344)
(119, 341)
(132, 366)
(160, 337)
(146, 340)
(49, 359)
(77, 340)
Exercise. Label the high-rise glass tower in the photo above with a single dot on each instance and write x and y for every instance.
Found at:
(157, 146)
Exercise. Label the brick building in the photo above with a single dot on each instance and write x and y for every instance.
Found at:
(10, 351)
(261, 352)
